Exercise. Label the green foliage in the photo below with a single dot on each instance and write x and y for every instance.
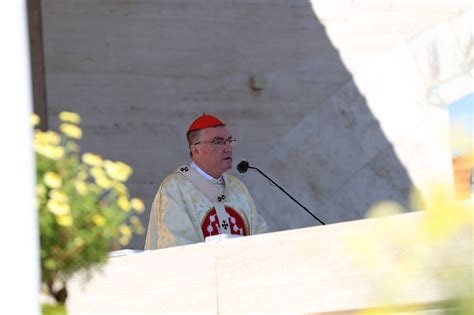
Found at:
(84, 206)
(47, 309)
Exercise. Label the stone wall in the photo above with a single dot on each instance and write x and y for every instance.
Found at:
(346, 117)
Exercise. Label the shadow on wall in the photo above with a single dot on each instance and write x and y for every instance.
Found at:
(333, 155)
(139, 72)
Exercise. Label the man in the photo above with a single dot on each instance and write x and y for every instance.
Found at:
(201, 200)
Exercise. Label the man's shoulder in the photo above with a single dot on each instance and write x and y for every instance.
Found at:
(173, 179)
(235, 182)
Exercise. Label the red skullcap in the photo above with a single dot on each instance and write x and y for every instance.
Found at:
(205, 121)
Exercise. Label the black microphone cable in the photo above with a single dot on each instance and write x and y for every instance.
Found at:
(243, 166)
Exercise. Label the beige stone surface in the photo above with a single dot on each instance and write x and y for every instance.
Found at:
(310, 270)
(175, 280)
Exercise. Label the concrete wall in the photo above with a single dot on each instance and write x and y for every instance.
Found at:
(347, 116)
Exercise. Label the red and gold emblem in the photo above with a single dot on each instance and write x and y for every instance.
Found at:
(210, 225)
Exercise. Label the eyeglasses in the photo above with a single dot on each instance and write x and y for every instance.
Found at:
(219, 143)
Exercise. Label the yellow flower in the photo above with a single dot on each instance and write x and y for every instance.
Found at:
(55, 153)
(72, 131)
(39, 136)
(441, 223)
(49, 151)
(97, 172)
(92, 159)
(137, 204)
(135, 220)
(125, 230)
(70, 117)
(444, 215)
(52, 180)
(98, 220)
(58, 208)
(123, 203)
(103, 182)
(58, 195)
(81, 187)
(52, 137)
(384, 209)
(35, 120)
(120, 188)
(64, 220)
(100, 177)
(137, 224)
(118, 170)
(40, 190)
(47, 137)
(124, 240)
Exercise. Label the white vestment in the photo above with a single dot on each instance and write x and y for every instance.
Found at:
(181, 214)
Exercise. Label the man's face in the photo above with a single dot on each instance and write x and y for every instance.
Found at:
(213, 158)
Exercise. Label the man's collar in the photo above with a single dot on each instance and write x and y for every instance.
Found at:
(204, 174)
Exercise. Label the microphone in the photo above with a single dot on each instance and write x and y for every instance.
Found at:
(243, 166)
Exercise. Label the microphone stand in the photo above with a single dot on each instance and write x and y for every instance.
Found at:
(291, 197)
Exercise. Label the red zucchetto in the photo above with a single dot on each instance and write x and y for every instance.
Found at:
(205, 121)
